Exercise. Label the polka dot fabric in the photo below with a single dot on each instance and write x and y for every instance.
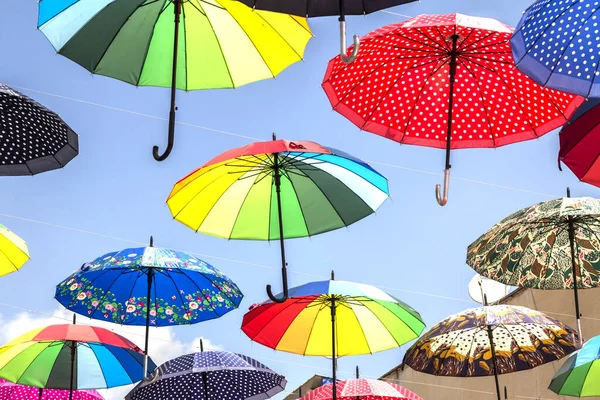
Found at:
(33, 139)
(362, 389)
(398, 87)
(10, 391)
(212, 375)
(557, 44)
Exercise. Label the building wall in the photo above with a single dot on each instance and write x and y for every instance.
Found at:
(532, 384)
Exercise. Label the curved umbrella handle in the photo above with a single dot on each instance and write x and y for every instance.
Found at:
(171, 138)
(348, 59)
(442, 200)
(275, 299)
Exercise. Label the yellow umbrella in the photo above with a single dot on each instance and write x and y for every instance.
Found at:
(13, 251)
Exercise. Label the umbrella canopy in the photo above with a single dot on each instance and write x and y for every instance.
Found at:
(579, 376)
(491, 340)
(277, 190)
(361, 389)
(224, 44)
(71, 357)
(579, 140)
(553, 44)
(444, 81)
(34, 139)
(210, 375)
(13, 251)
(12, 391)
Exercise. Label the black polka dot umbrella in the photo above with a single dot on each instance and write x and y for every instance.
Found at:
(210, 375)
(33, 139)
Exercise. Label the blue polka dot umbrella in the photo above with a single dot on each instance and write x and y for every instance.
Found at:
(557, 45)
(210, 375)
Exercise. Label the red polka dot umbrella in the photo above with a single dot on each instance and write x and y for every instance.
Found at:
(361, 389)
(444, 81)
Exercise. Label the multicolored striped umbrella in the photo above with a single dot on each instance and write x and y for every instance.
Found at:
(224, 44)
(277, 190)
(579, 376)
(12, 391)
(72, 357)
(333, 318)
(13, 251)
(361, 389)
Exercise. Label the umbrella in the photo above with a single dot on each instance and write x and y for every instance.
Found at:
(210, 375)
(13, 251)
(180, 289)
(70, 357)
(579, 376)
(491, 340)
(33, 139)
(578, 143)
(12, 391)
(319, 8)
(333, 318)
(555, 44)
(223, 44)
(444, 81)
(543, 247)
(277, 190)
(361, 389)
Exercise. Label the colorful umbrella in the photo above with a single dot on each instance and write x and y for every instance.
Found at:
(361, 389)
(444, 81)
(580, 374)
(491, 340)
(33, 139)
(13, 251)
(556, 44)
(579, 148)
(543, 247)
(12, 391)
(224, 44)
(71, 357)
(335, 319)
(179, 288)
(210, 375)
(277, 190)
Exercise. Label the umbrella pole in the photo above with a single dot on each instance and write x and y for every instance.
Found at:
(574, 271)
(442, 199)
(73, 344)
(493, 349)
(150, 276)
(205, 385)
(171, 137)
(277, 178)
(41, 393)
(334, 389)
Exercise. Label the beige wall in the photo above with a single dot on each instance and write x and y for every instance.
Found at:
(522, 385)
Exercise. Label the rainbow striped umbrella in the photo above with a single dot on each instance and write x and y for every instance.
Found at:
(13, 251)
(12, 391)
(579, 376)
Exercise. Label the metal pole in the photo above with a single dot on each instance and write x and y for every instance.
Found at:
(357, 373)
(73, 344)
(333, 346)
(574, 270)
(201, 346)
(150, 275)
(493, 349)
(205, 385)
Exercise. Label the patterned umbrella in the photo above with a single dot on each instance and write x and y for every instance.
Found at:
(491, 340)
(361, 389)
(335, 319)
(71, 357)
(33, 139)
(13, 251)
(579, 376)
(223, 44)
(210, 375)
(556, 44)
(179, 288)
(444, 81)
(543, 247)
(277, 190)
(12, 391)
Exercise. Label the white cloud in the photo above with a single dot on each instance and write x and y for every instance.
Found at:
(164, 344)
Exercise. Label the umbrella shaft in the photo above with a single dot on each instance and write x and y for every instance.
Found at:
(334, 389)
(453, 58)
(280, 218)
(574, 271)
(150, 275)
(72, 370)
(492, 348)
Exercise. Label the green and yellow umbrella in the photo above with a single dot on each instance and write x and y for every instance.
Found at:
(180, 44)
(13, 251)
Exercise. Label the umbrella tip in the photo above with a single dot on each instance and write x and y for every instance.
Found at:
(74, 319)
(274, 136)
(568, 192)
(151, 241)
(201, 346)
(332, 275)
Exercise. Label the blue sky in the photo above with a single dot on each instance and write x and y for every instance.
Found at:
(114, 187)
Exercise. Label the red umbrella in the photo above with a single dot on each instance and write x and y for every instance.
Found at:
(444, 81)
(362, 389)
(579, 143)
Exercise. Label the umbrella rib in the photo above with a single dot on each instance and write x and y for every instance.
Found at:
(123, 311)
(472, 46)
(180, 298)
(182, 271)
(444, 46)
(281, 36)
(308, 231)
(435, 47)
(543, 277)
(312, 327)
(101, 274)
(459, 47)
(256, 181)
(292, 301)
(529, 365)
(38, 355)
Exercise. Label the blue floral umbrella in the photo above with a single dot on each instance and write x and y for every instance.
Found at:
(556, 44)
(180, 289)
(210, 375)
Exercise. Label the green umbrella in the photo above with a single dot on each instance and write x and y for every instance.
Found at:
(579, 376)
(223, 43)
